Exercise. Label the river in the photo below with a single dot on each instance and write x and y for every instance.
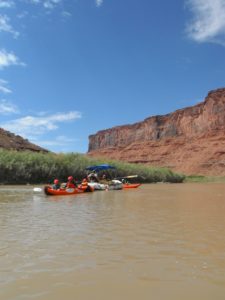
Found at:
(160, 241)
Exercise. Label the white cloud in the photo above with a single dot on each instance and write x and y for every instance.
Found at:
(33, 125)
(7, 108)
(48, 4)
(51, 3)
(3, 87)
(58, 141)
(66, 14)
(6, 26)
(22, 14)
(98, 2)
(6, 3)
(8, 59)
(35, 1)
(208, 22)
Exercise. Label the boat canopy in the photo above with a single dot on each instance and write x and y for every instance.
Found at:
(100, 167)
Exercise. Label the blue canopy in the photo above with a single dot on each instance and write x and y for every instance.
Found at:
(100, 167)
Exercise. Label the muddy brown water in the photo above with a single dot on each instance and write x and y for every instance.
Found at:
(160, 241)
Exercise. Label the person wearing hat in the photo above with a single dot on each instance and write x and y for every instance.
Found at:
(70, 183)
(56, 185)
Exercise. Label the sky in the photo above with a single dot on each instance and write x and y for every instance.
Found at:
(69, 68)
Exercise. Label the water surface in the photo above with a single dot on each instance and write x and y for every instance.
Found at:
(160, 241)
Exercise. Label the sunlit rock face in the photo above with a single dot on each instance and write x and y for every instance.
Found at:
(11, 141)
(189, 140)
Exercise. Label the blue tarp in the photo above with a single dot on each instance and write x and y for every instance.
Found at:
(100, 167)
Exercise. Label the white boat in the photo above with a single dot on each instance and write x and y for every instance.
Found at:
(98, 186)
(112, 185)
(94, 181)
(115, 185)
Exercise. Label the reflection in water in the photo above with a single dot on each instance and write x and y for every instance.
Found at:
(160, 241)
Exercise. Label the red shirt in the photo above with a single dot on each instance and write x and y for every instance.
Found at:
(70, 185)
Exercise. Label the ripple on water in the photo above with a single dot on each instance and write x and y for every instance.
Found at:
(155, 235)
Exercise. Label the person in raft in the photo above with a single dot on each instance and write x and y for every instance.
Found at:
(84, 182)
(70, 183)
(93, 177)
(84, 186)
(56, 185)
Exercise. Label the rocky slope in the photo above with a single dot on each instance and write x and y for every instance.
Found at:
(9, 140)
(189, 140)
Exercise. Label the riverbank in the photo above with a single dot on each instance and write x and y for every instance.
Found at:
(204, 179)
(27, 167)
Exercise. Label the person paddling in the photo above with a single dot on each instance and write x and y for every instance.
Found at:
(70, 183)
(84, 182)
(84, 186)
(56, 185)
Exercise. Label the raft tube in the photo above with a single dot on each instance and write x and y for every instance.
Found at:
(131, 185)
(63, 192)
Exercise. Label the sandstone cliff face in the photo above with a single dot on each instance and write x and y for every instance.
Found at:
(11, 141)
(190, 140)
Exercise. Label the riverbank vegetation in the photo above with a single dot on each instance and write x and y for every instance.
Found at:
(204, 179)
(27, 167)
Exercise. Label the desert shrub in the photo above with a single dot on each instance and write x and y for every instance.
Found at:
(31, 167)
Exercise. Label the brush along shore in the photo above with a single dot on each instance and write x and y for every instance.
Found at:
(25, 167)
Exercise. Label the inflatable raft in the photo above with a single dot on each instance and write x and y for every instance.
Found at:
(63, 192)
(131, 185)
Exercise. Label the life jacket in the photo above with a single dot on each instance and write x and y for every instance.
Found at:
(84, 182)
(70, 185)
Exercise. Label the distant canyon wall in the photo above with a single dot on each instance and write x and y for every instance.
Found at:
(10, 141)
(189, 140)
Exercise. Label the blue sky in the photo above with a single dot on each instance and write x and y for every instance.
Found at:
(69, 68)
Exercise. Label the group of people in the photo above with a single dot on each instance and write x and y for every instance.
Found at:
(70, 184)
(93, 177)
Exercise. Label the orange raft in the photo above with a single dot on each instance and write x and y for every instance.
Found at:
(131, 185)
(71, 191)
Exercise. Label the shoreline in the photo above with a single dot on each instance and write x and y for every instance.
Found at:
(204, 179)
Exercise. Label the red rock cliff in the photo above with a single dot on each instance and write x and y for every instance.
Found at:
(11, 141)
(189, 140)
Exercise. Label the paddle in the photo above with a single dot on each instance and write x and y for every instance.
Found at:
(130, 176)
(37, 189)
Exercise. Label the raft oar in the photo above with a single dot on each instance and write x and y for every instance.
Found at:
(37, 189)
(127, 177)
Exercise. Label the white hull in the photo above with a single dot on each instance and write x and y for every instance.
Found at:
(98, 186)
(114, 185)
